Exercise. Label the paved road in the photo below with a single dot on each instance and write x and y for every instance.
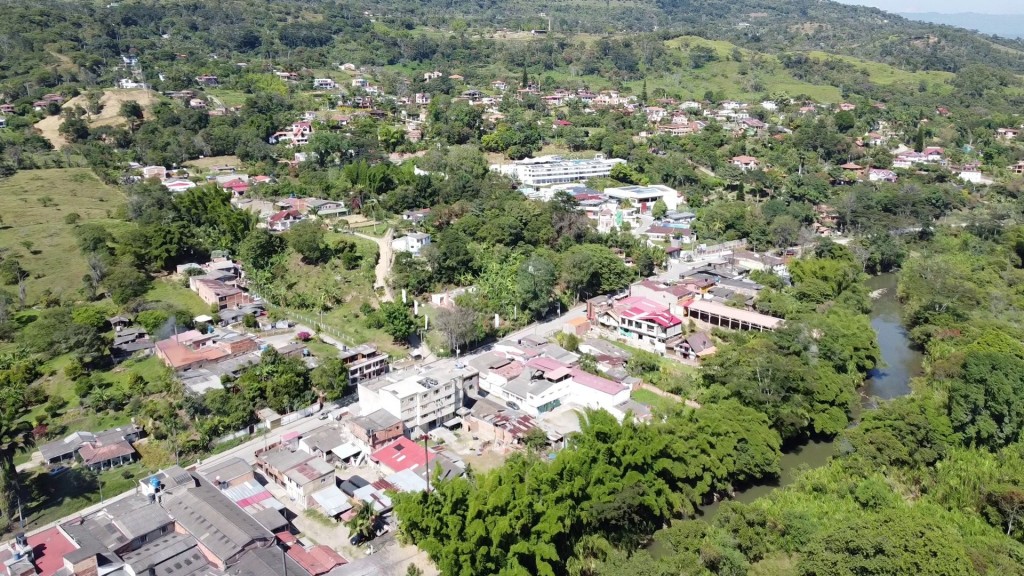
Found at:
(244, 451)
(384, 262)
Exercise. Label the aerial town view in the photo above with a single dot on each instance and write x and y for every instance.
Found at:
(425, 287)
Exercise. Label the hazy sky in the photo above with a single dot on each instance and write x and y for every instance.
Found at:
(948, 6)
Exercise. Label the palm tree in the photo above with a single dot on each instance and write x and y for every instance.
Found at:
(364, 520)
(15, 436)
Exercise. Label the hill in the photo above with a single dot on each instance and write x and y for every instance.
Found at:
(109, 115)
(1005, 25)
(767, 26)
(37, 229)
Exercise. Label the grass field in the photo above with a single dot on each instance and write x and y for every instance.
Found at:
(885, 75)
(54, 261)
(228, 97)
(653, 400)
(173, 293)
(207, 163)
(353, 287)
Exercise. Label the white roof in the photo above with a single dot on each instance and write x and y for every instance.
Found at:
(405, 387)
(346, 450)
(407, 481)
(332, 500)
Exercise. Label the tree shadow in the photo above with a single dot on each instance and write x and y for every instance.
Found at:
(44, 490)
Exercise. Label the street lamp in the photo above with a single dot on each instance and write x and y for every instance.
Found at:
(420, 434)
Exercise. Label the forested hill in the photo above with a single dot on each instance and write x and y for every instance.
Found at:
(762, 25)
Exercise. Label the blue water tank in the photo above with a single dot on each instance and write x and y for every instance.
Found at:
(154, 482)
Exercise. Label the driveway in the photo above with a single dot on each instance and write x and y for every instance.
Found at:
(387, 257)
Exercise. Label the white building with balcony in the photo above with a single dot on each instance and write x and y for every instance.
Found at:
(548, 170)
(419, 399)
(643, 197)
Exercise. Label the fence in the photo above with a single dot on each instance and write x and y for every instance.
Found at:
(243, 433)
(287, 418)
(723, 247)
(316, 325)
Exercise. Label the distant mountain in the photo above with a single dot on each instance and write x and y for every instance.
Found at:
(1005, 25)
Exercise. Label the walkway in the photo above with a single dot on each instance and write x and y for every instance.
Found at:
(384, 262)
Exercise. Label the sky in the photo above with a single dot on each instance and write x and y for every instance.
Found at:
(947, 6)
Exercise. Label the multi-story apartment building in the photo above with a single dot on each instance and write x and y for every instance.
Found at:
(364, 362)
(426, 400)
(548, 170)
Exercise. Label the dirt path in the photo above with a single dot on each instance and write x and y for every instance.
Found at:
(384, 262)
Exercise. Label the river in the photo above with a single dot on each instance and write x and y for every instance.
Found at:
(901, 363)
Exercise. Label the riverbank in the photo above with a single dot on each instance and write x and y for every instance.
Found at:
(901, 362)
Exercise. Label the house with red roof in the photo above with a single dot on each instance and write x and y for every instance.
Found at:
(237, 186)
(284, 220)
(745, 163)
(41, 554)
(316, 560)
(639, 318)
(403, 454)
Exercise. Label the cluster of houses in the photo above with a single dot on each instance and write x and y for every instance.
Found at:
(306, 467)
(291, 211)
(672, 316)
(177, 523)
(179, 180)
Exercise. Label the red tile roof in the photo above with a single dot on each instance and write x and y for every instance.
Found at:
(402, 454)
(92, 454)
(317, 560)
(596, 382)
(664, 319)
(286, 537)
(292, 213)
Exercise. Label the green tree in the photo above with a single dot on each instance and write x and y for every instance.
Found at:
(260, 249)
(660, 209)
(309, 240)
(396, 319)
(330, 377)
(131, 111)
(986, 403)
(903, 541)
(152, 320)
(535, 284)
(364, 521)
(590, 269)
(126, 283)
(15, 436)
(536, 439)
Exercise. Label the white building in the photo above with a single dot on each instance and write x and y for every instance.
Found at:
(643, 197)
(548, 170)
(412, 243)
(543, 384)
(324, 83)
(427, 400)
